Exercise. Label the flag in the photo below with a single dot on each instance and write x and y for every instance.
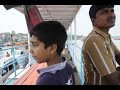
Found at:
(32, 15)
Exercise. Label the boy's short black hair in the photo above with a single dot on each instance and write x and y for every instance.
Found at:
(50, 32)
(95, 8)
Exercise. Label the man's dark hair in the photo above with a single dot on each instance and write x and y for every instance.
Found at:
(50, 32)
(95, 8)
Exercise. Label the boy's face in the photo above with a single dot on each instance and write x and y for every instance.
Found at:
(38, 51)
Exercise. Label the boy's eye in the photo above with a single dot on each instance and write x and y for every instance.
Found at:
(33, 44)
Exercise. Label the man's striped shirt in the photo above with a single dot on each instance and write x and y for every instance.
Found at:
(98, 57)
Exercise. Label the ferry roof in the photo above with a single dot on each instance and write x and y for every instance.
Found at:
(63, 13)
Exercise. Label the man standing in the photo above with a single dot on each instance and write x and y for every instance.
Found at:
(99, 52)
(7, 55)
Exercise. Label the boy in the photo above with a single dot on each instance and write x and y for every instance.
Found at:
(48, 41)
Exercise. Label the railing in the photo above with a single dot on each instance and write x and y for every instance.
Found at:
(9, 70)
(14, 63)
(14, 76)
(76, 54)
(13, 57)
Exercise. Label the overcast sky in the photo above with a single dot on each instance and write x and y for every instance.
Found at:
(13, 20)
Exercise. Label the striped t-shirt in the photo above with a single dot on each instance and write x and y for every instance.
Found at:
(98, 57)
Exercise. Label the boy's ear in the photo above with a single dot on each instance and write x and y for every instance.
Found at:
(53, 49)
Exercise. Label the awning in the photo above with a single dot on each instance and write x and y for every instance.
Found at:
(63, 13)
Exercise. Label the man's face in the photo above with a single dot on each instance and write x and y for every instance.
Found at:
(105, 18)
(38, 51)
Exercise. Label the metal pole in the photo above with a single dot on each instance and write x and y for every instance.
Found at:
(13, 54)
(29, 48)
(75, 29)
(74, 38)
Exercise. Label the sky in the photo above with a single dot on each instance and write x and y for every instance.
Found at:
(13, 20)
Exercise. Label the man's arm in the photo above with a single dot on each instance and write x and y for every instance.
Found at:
(112, 79)
(117, 57)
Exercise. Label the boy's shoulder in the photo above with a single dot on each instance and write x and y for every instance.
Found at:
(47, 79)
(57, 78)
(68, 66)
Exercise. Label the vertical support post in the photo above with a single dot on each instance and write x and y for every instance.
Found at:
(74, 37)
(69, 38)
(71, 45)
(29, 48)
(75, 30)
(13, 54)
(81, 69)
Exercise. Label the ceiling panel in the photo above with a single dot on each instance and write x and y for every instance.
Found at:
(63, 13)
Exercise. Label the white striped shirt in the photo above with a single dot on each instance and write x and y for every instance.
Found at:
(98, 56)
